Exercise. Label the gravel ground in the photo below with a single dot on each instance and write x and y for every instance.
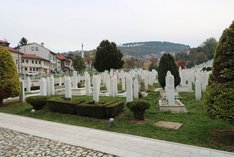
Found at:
(17, 144)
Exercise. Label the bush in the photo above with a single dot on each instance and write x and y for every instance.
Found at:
(219, 101)
(153, 66)
(114, 109)
(86, 108)
(138, 108)
(37, 102)
(9, 80)
(167, 63)
(61, 105)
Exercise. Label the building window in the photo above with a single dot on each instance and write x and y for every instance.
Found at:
(39, 62)
(36, 48)
(32, 48)
(32, 61)
(36, 62)
(26, 61)
(26, 69)
(22, 60)
(30, 69)
(16, 61)
(33, 69)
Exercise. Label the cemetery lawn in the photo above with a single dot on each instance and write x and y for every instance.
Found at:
(197, 129)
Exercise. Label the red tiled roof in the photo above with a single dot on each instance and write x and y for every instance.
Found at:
(33, 56)
(62, 57)
(2, 41)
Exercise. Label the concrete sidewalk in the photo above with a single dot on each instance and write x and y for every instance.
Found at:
(105, 141)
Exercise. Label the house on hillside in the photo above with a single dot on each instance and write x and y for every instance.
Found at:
(42, 52)
(34, 65)
(63, 63)
(16, 55)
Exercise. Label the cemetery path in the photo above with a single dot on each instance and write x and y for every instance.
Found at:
(104, 141)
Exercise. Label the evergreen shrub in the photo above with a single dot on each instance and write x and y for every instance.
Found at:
(167, 63)
(37, 102)
(138, 108)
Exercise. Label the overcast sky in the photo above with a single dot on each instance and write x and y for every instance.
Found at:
(64, 24)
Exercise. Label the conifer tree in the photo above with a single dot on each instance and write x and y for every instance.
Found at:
(108, 56)
(219, 99)
(9, 80)
(167, 63)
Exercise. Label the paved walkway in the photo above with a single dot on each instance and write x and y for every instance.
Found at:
(104, 141)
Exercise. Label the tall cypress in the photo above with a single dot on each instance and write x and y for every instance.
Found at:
(167, 63)
(219, 100)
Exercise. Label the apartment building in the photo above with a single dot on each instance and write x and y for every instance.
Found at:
(42, 52)
(35, 65)
(63, 63)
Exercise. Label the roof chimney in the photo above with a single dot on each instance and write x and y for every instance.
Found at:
(42, 44)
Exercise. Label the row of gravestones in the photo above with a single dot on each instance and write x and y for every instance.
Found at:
(129, 81)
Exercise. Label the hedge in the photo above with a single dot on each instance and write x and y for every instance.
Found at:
(86, 108)
(37, 102)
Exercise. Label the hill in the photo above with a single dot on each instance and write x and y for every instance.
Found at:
(151, 47)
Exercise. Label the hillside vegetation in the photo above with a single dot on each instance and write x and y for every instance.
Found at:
(151, 47)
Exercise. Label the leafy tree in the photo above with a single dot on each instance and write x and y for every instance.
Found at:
(23, 41)
(133, 62)
(78, 63)
(9, 80)
(209, 47)
(167, 63)
(153, 66)
(219, 100)
(89, 58)
(153, 59)
(108, 56)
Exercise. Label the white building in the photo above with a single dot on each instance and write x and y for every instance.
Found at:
(40, 51)
(32, 64)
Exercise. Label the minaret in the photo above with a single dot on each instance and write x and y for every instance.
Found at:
(82, 51)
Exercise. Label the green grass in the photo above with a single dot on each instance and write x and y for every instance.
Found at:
(197, 129)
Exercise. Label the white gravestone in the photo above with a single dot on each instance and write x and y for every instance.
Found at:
(22, 93)
(123, 82)
(43, 89)
(52, 85)
(60, 81)
(198, 89)
(190, 84)
(115, 85)
(28, 85)
(135, 89)
(129, 90)
(96, 88)
(87, 84)
(74, 79)
(48, 85)
(68, 91)
(170, 89)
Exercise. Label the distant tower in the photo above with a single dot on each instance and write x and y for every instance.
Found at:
(82, 51)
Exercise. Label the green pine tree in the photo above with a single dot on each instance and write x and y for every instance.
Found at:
(219, 99)
(167, 63)
(9, 80)
(108, 56)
